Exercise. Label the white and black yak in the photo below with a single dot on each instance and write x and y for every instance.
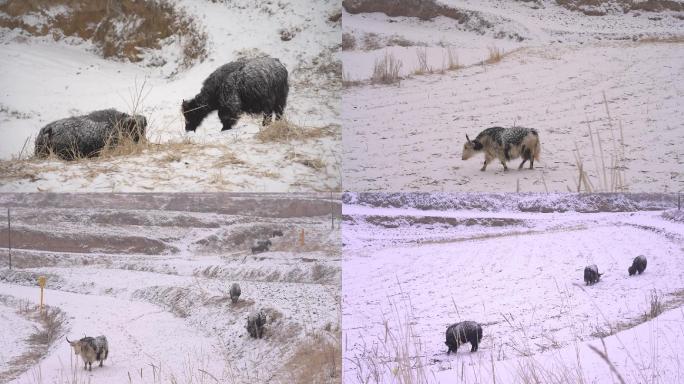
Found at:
(87, 135)
(91, 349)
(255, 86)
(638, 265)
(461, 333)
(261, 246)
(591, 274)
(504, 144)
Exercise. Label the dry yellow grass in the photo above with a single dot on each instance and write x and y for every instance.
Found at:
(146, 23)
(495, 55)
(318, 360)
(284, 130)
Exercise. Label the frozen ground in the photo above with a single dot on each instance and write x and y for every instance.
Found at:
(557, 66)
(44, 80)
(520, 275)
(154, 278)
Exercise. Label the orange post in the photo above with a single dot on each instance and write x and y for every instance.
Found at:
(41, 283)
(301, 238)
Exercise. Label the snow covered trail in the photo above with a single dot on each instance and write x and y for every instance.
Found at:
(139, 335)
(521, 278)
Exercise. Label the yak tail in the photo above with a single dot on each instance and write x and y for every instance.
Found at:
(537, 150)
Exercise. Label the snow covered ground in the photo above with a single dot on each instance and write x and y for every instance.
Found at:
(408, 274)
(44, 80)
(154, 276)
(557, 65)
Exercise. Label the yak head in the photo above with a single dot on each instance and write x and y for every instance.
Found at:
(194, 113)
(470, 148)
(76, 345)
(631, 270)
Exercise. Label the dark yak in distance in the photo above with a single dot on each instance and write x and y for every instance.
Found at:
(591, 274)
(255, 86)
(461, 333)
(638, 265)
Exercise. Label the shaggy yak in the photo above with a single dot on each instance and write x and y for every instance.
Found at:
(591, 274)
(247, 85)
(255, 324)
(235, 292)
(87, 135)
(91, 349)
(638, 265)
(504, 144)
(461, 333)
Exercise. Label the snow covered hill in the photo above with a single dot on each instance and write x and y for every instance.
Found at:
(153, 272)
(408, 274)
(603, 91)
(44, 80)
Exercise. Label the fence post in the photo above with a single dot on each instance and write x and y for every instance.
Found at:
(9, 238)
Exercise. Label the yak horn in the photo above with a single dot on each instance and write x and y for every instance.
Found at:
(67, 339)
(467, 138)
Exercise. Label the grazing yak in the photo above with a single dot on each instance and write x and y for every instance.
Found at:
(504, 144)
(87, 135)
(91, 349)
(277, 232)
(255, 324)
(591, 274)
(235, 292)
(638, 265)
(261, 246)
(247, 85)
(461, 333)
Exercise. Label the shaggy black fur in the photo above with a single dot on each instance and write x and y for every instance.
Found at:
(461, 333)
(248, 85)
(87, 135)
(638, 265)
(235, 292)
(261, 246)
(255, 324)
(591, 274)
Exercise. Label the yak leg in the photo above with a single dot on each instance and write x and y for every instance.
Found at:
(473, 346)
(503, 162)
(487, 160)
(521, 164)
(268, 118)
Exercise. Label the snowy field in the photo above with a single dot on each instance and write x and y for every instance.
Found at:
(409, 273)
(45, 80)
(152, 273)
(555, 69)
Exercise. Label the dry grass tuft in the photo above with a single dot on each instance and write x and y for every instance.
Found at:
(423, 67)
(386, 70)
(318, 360)
(495, 55)
(284, 130)
(122, 29)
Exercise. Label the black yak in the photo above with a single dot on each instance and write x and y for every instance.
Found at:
(235, 292)
(255, 324)
(87, 135)
(638, 265)
(504, 144)
(253, 86)
(461, 333)
(591, 274)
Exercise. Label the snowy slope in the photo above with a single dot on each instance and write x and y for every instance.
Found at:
(410, 136)
(45, 80)
(520, 275)
(168, 306)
